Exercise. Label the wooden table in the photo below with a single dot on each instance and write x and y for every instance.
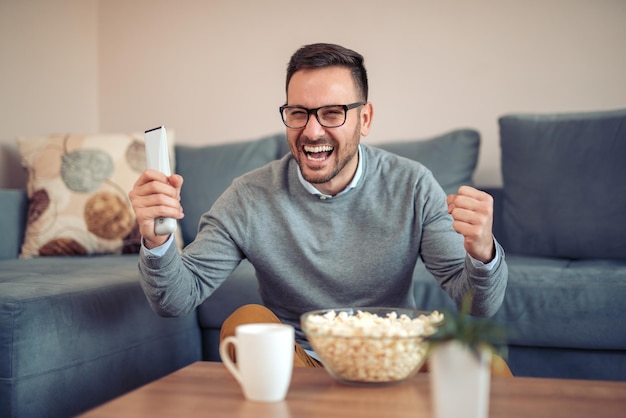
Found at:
(207, 389)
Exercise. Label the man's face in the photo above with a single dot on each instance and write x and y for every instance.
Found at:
(327, 157)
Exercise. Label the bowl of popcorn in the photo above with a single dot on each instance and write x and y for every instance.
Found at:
(370, 345)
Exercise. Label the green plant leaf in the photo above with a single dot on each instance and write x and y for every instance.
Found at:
(473, 332)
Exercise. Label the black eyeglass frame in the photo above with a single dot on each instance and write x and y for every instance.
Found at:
(345, 107)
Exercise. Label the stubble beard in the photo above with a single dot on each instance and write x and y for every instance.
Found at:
(342, 157)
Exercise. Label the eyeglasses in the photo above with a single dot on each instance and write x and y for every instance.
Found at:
(332, 116)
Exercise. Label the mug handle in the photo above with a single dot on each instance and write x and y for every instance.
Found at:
(227, 360)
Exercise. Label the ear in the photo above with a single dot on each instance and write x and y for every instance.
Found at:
(367, 113)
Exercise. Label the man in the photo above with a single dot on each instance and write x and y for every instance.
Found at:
(336, 223)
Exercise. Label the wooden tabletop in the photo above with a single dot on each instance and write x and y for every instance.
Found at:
(207, 389)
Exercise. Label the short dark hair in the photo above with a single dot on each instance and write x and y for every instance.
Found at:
(322, 55)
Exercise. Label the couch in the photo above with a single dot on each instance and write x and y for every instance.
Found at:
(76, 331)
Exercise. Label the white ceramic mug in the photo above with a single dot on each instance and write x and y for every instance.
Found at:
(264, 354)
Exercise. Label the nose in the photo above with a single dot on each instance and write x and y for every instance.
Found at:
(313, 129)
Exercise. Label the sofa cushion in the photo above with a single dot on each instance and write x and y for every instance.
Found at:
(78, 193)
(564, 181)
(209, 170)
(77, 331)
(555, 302)
(451, 157)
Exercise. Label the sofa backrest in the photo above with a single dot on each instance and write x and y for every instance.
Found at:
(452, 156)
(209, 170)
(564, 179)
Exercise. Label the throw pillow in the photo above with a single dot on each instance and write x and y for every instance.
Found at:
(209, 170)
(78, 193)
(452, 157)
(565, 184)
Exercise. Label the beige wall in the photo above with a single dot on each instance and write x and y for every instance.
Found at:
(48, 74)
(198, 66)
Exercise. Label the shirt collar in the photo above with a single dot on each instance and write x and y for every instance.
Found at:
(355, 180)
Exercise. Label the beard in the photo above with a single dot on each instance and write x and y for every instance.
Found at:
(342, 157)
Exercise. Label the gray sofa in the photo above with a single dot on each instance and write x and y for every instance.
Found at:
(77, 331)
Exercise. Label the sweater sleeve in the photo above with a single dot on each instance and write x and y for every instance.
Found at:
(487, 285)
(176, 283)
(445, 257)
(165, 283)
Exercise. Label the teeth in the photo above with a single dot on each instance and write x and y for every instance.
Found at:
(320, 148)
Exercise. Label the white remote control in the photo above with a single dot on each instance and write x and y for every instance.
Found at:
(158, 158)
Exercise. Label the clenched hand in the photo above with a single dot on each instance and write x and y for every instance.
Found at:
(472, 211)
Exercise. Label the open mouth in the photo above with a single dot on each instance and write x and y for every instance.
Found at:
(318, 153)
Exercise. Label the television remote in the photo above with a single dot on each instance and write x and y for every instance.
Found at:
(158, 158)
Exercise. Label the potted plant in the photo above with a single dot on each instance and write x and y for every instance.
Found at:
(460, 356)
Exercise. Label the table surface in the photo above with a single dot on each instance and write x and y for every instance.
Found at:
(208, 389)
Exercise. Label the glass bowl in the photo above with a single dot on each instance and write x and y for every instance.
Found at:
(370, 346)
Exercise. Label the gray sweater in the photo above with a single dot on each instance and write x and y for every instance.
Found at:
(309, 252)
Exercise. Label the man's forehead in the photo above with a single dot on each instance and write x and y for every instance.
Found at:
(328, 83)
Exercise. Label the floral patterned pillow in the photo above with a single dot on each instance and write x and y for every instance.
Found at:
(78, 193)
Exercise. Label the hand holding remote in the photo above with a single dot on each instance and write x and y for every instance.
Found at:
(157, 158)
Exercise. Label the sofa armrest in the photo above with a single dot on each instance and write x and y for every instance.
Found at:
(13, 207)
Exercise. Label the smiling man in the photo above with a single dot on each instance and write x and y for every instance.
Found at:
(334, 223)
(326, 146)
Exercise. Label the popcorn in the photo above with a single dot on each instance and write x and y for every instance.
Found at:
(366, 347)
